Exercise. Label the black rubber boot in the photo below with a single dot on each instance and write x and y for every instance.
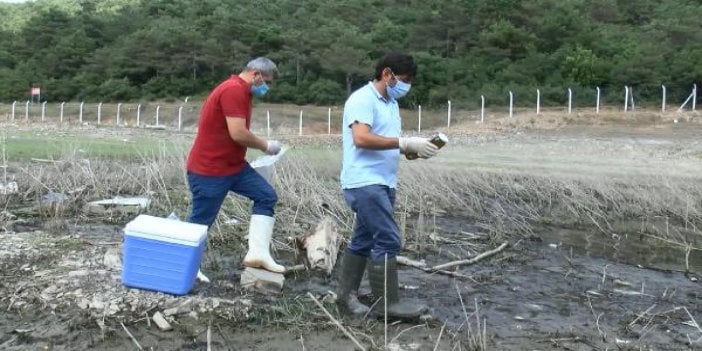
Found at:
(402, 309)
(352, 268)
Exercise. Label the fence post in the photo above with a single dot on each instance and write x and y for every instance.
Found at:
(13, 109)
(419, 119)
(80, 113)
(300, 127)
(138, 115)
(61, 113)
(119, 112)
(448, 116)
(511, 104)
(538, 101)
(482, 108)
(99, 113)
(597, 109)
(26, 110)
(158, 110)
(180, 118)
(268, 123)
(693, 97)
(570, 100)
(329, 121)
(663, 99)
(43, 111)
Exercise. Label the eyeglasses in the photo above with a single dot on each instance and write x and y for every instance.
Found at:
(268, 81)
(407, 81)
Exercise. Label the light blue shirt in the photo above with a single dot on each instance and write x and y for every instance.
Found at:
(362, 167)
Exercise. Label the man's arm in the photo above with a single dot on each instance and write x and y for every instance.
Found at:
(365, 139)
(239, 133)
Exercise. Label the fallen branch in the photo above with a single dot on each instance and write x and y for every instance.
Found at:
(471, 260)
(411, 263)
(341, 327)
(44, 160)
(423, 266)
(131, 337)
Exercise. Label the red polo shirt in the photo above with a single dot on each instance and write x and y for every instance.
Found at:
(214, 153)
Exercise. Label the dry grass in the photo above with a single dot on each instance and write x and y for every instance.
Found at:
(504, 204)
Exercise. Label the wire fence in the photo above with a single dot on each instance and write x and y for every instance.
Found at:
(272, 119)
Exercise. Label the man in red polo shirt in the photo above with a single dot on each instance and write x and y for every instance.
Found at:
(217, 161)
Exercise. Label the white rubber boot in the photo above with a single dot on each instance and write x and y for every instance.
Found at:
(259, 255)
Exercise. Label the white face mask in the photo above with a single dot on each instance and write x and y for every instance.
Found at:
(399, 90)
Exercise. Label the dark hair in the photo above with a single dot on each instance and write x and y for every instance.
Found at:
(399, 64)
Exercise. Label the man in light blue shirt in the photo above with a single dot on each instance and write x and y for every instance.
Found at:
(372, 148)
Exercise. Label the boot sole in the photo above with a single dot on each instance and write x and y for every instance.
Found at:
(260, 265)
(378, 314)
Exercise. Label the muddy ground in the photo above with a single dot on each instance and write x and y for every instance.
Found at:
(559, 289)
(64, 293)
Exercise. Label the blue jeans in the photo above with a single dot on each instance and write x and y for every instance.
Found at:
(208, 193)
(375, 232)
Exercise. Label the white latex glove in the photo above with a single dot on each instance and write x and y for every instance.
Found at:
(274, 147)
(418, 145)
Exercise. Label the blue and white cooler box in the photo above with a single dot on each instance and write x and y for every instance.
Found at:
(162, 254)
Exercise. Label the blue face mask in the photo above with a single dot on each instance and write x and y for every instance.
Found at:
(399, 90)
(259, 90)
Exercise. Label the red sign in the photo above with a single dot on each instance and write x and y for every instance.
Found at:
(36, 91)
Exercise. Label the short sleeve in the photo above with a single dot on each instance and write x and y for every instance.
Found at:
(235, 101)
(358, 109)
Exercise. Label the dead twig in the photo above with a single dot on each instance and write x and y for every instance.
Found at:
(471, 260)
(336, 322)
(209, 336)
(597, 320)
(131, 337)
(406, 330)
(642, 314)
(438, 339)
(694, 323)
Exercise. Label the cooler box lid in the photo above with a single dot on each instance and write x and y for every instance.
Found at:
(168, 230)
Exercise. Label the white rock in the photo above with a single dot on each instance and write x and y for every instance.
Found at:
(83, 304)
(113, 309)
(161, 322)
(262, 280)
(97, 303)
(534, 307)
(112, 259)
(171, 311)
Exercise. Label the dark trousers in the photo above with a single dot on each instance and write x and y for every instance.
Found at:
(208, 193)
(375, 232)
